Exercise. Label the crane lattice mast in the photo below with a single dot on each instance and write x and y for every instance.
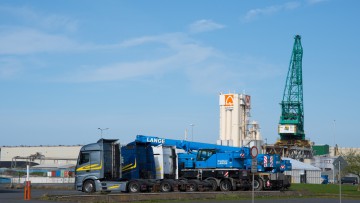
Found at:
(291, 125)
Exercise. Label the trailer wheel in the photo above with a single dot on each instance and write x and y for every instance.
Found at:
(192, 186)
(89, 186)
(225, 185)
(134, 186)
(258, 184)
(213, 183)
(165, 186)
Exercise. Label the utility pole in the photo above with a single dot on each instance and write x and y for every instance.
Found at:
(334, 154)
(101, 131)
(339, 181)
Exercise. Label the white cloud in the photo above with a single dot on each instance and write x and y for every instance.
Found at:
(27, 41)
(255, 13)
(9, 67)
(230, 72)
(206, 69)
(181, 54)
(28, 16)
(137, 41)
(29, 32)
(315, 1)
(204, 26)
(59, 22)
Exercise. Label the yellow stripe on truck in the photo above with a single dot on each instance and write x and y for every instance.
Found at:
(90, 167)
(129, 167)
(114, 187)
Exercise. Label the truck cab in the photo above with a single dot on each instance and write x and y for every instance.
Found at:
(98, 162)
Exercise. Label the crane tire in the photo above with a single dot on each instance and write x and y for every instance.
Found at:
(213, 183)
(258, 184)
(192, 186)
(225, 185)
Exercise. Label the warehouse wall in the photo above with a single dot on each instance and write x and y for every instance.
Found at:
(343, 150)
(7, 153)
(312, 176)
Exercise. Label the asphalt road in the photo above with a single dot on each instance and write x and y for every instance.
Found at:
(295, 200)
(17, 195)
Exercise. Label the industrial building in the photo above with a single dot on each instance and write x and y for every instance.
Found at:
(325, 156)
(304, 173)
(43, 156)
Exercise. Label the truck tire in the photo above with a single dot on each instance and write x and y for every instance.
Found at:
(165, 186)
(192, 186)
(213, 183)
(89, 186)
(225, 185)
(134, 186)
(258, 184)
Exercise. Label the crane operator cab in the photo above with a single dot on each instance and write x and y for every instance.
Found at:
(205, 154)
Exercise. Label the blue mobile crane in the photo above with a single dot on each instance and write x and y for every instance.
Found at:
(105, 166)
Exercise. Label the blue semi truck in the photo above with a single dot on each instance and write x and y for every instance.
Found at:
(156, 164)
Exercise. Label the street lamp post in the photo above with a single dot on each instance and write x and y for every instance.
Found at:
(101, 130)
(192, 132)
(334, 135)
(334, 153)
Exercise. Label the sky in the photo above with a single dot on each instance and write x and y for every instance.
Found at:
(154, 68)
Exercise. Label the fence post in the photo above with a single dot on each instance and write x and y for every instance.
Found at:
(27, 188)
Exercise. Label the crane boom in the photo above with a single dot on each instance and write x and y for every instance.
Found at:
(291, 125)
(187, 145)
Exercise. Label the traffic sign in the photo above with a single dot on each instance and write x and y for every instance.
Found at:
(254, 166)
(254, 151)
(340, 160)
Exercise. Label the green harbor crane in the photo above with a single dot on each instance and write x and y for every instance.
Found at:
(291, 125)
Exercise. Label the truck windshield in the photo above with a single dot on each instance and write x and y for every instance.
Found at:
(88, 157)
(204, 154)
(84, 158)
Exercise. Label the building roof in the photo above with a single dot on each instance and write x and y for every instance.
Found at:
(54, 166)
(297, 165)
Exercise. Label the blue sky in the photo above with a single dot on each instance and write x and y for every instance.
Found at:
(155, 67)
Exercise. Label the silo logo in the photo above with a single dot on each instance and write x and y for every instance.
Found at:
(229, 100)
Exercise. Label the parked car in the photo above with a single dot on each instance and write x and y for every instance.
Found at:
(352, 180)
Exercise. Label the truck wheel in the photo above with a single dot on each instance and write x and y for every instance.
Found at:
(213, 183)
(258, 184)
(134, 186)
(89, 186)
(225, 185)
(192, 186)
(165, 186)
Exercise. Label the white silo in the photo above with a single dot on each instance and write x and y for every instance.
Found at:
(234, 113)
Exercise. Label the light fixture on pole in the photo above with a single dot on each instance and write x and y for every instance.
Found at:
(101, 130)
(192, 132)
